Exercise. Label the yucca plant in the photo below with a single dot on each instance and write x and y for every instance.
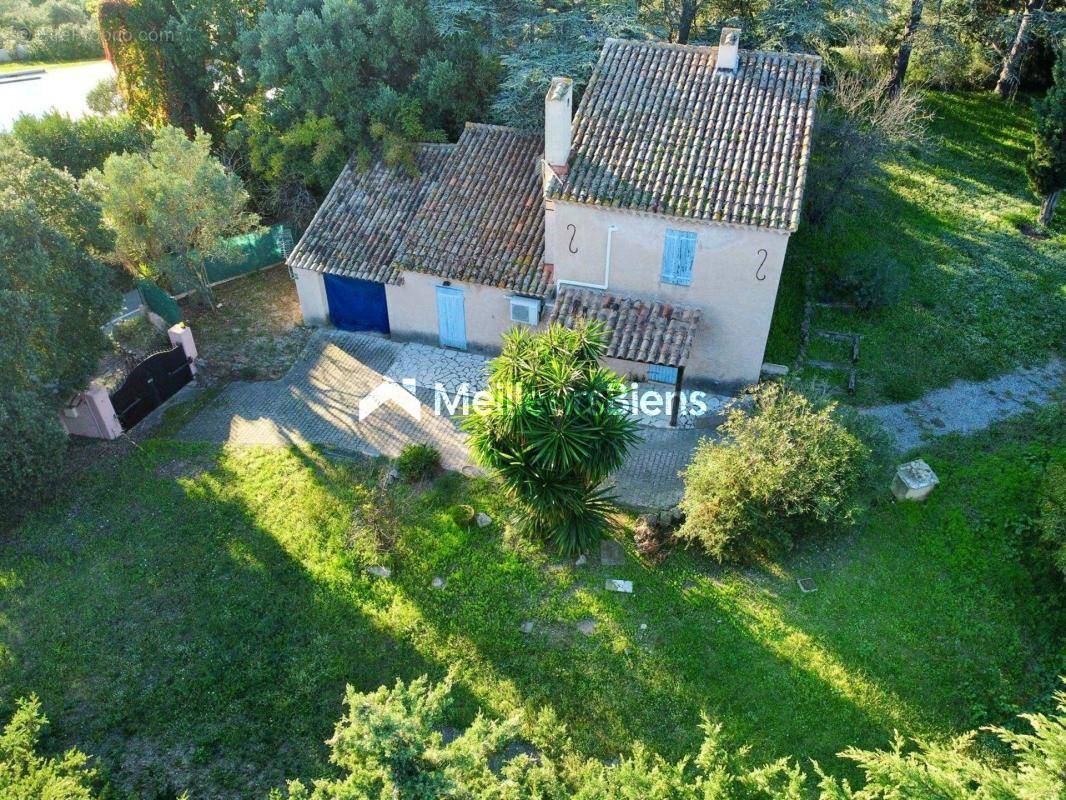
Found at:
(552, 429)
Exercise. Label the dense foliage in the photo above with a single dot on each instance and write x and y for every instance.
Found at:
(48, 30)
(27, 775)
(1046, 167)
(783, 468)
(177, 60)
(172, 208)
(79, 145)
(342, 78)
(551, 428)
(389, 745)
(54, 295)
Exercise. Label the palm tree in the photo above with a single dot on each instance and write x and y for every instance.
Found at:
(553, 430)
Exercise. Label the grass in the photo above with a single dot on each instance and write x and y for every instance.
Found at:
(16, 66)
(192, 617)
(982, 297)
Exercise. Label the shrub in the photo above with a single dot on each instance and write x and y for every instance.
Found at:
(786, 466)
(105, 99)
(418, 462)
(79, 145)
(24, 774)
(389, 744)
(463, 515)
(552, 429)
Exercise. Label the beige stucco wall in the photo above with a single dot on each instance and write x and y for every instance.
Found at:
(413, 311)
(737, 306)
(311, 290)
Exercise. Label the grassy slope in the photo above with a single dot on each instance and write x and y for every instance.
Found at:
(193, 616)
(982, 298)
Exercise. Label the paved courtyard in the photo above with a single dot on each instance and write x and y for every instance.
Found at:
(317, 402)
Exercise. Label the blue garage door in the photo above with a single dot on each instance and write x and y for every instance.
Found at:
(356, 305)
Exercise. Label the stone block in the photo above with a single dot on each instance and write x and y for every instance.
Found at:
(613, 585)
(914, 481)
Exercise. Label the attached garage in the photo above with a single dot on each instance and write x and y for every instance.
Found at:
(356, 305)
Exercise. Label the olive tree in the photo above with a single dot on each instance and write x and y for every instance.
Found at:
(172, 208)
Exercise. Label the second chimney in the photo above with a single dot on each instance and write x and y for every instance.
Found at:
(557, 117)
(728, 50)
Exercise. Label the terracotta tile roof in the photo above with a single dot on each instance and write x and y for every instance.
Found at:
(641, 330)
(359, 226)
(484, 220)
(659, 130)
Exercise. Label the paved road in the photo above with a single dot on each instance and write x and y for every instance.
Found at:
(318, 399)
(64, 88)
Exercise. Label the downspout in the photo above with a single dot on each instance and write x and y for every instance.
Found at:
(606, 266)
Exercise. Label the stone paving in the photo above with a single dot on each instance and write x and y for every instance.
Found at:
(318, 399)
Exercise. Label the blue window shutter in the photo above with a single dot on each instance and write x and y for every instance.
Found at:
(679, 251)
(670, 256)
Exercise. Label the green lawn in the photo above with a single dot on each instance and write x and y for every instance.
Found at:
(982, 297)
(192, 616)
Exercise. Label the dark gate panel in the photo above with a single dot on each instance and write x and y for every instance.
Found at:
(150, 384)
(357, 305)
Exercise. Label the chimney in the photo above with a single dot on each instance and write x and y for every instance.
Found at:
(728, 50)
(557, 118)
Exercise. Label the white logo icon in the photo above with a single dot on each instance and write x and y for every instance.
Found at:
(390, 391)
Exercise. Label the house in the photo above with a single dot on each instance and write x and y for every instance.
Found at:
(662, 206)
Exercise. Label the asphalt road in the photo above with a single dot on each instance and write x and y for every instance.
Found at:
(64, 88)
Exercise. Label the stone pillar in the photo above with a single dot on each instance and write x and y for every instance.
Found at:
(311, 289)
(92, 415)
(181, 334)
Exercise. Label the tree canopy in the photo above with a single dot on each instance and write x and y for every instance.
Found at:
(54, 296)
(172, 207)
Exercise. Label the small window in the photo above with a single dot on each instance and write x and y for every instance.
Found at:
(679, 251)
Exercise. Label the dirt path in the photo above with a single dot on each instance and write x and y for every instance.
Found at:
(967, 406)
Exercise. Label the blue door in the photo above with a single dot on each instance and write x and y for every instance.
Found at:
(356, 305)
(663, 374)
(451, 317)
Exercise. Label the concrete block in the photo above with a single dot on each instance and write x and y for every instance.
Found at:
(914, 481)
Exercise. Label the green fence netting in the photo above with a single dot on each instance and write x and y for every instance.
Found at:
(251, 252)
(243, 254)
(159, 301)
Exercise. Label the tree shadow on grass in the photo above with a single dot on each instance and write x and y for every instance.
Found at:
(196, 622)
(711, 644)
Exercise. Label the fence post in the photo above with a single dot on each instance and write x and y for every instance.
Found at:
(181, 334)
(92, 415)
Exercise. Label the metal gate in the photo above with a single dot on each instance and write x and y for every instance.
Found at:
(150, 384)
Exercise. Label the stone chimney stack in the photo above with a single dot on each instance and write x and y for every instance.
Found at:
(728, 50)
(557, 117)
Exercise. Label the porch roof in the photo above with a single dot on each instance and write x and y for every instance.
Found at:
(643, 330)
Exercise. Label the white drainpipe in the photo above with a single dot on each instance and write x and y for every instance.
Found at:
(606, 266)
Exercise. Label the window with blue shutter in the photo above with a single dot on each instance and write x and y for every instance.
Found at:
(679, 251)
